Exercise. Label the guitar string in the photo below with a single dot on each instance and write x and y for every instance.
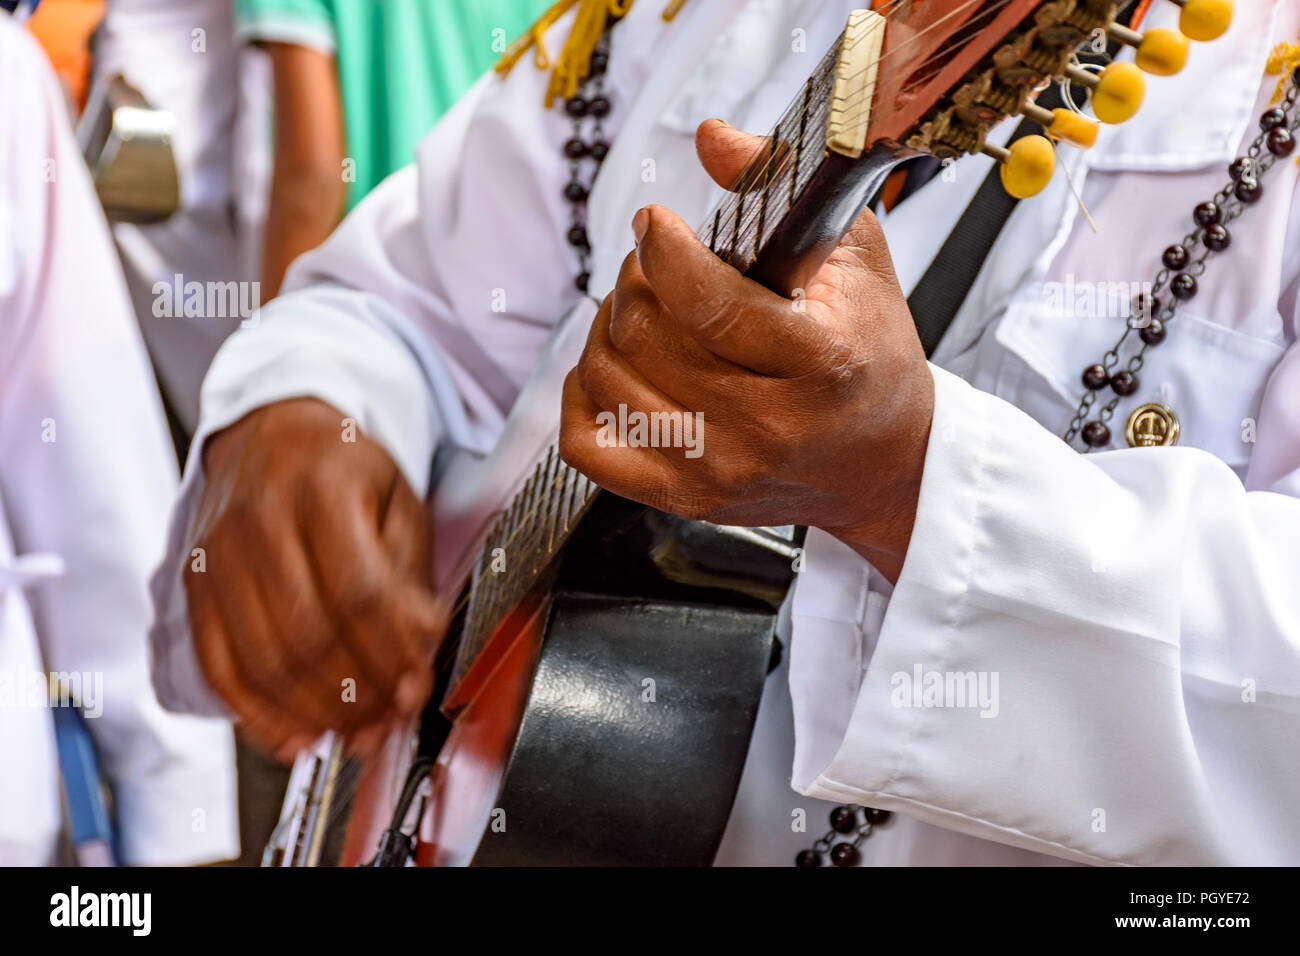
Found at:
(940, 54)
(875, 64)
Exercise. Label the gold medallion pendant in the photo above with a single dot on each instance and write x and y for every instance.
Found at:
(1152, 425)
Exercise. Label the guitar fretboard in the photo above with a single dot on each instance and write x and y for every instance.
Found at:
(743, 222)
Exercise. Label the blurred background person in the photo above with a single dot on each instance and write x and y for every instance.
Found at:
(85, 476)
(357, 83)
(181, 55)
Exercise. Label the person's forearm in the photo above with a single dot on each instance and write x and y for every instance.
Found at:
(305, 207)
(308, 193)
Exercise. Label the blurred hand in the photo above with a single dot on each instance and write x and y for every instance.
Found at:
(314, 610)
(814, 412)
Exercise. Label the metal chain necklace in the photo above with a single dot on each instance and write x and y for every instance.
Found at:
(1182, 266)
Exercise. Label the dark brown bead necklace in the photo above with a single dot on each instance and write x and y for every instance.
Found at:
(588, 103)
(1182, 266)
(844, 821)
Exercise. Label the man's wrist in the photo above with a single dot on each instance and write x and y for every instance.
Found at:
(883, 512)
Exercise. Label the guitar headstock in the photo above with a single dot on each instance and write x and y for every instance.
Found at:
(938, 75)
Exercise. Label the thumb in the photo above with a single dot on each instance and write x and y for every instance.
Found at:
(728, 154)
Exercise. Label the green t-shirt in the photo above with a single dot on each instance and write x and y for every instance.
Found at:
(401, 63)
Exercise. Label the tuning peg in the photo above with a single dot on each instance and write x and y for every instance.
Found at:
(1159, 51)
(1065, 125)
(1027, 164)
(1205, 20)
(1117, 91)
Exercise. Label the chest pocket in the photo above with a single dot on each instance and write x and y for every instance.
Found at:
(1212, 376)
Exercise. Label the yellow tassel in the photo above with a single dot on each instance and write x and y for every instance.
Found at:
(574, 62)
(671, 10)
(1284, 59)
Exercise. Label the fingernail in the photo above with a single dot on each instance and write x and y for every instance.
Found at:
(640, 223)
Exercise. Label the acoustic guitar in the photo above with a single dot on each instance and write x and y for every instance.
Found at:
(598, 685)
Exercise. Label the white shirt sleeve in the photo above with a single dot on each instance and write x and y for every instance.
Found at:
(87, 471)
(1126, 629)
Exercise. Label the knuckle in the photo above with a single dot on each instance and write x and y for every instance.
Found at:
(575, 448)
(632, 327)
(596, 372)
(361, 599)
(309, 642)
(717, 317)
(216, 667)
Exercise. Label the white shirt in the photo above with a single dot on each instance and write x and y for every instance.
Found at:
(1126, 601)
(85, 470)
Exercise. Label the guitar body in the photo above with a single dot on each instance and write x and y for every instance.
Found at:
(614, 733)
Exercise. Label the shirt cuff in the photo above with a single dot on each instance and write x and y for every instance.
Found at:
(861, 737)
(887, 744)
(276, 27)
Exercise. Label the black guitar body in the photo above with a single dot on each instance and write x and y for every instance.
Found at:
(634, 736)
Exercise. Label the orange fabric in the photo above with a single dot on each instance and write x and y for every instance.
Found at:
(63, 28)
(893, 187)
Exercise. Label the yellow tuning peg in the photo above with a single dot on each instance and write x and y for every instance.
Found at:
(1205, 20)
(1117, 91)
(1027, 165)
(1065, 125)
(1159, 51)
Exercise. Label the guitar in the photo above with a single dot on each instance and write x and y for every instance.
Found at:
(598, 685)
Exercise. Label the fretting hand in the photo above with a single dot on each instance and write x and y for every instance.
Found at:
(815, 411)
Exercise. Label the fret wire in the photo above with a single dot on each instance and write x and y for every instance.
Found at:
(552, 505)
(772, 149)
(798, 143)
(570, 482)
(821, 81)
